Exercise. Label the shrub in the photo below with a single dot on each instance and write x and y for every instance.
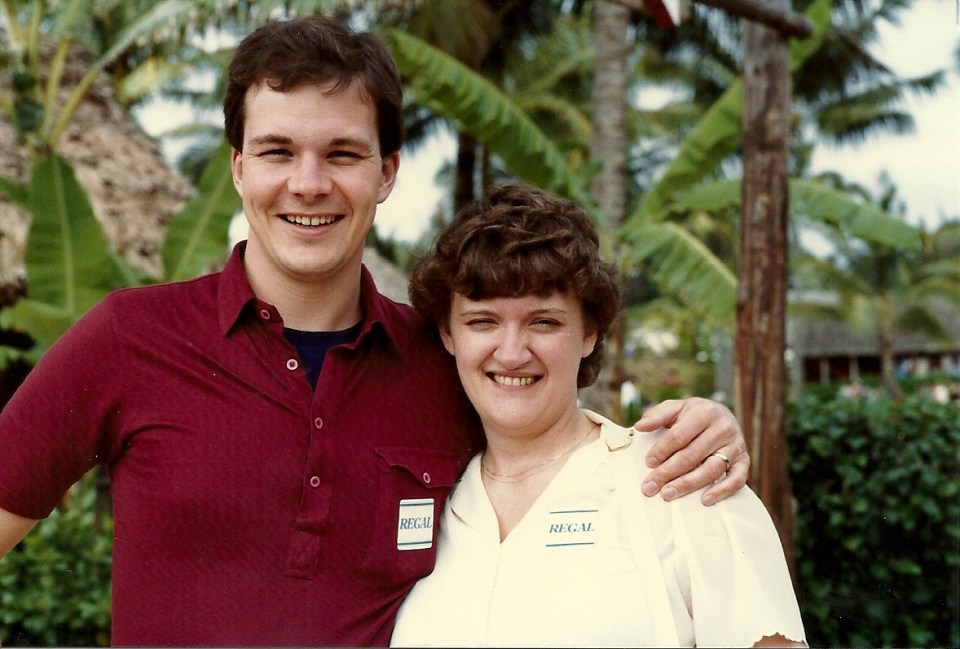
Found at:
(878, 519)
(55, 585)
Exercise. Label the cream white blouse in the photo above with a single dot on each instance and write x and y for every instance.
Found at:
(596, 563)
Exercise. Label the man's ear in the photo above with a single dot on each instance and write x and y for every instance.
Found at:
(389, 167)
(236, 169)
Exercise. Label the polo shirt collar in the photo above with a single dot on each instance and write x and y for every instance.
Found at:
(235, 293)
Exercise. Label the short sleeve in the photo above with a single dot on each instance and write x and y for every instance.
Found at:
(739, 585)
(51, 430)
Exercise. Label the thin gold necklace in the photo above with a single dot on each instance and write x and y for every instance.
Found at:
(530, 470)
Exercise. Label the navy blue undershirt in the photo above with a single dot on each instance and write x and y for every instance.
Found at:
(313, 346)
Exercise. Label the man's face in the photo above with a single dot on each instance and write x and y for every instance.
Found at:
(310, 175)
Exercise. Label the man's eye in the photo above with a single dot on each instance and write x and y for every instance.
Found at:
(275, 152)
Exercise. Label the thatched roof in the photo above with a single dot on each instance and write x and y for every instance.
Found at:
(809, 336)
(133, 192)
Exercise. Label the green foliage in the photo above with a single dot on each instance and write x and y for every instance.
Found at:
(70, 266)
(449, 88)
(69, 261)
(55, 585)
(198, 234)
(815, 201)
(678, 262)
(877, 484)
(686, 267)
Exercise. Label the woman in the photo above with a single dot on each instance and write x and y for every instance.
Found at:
(547, 541)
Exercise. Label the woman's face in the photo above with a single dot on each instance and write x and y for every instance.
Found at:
(518, 358)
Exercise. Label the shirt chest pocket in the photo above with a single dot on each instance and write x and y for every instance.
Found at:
(412, 486)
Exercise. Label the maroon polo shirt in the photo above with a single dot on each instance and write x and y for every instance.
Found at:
(250, 509)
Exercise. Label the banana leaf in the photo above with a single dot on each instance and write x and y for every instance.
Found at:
(198, 235)
(475, 105)
(809, 199)
(720, 132)
(68, 262)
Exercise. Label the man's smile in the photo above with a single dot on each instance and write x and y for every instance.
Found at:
(306, 219)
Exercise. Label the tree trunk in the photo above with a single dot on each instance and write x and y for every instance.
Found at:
(760, 372)
(609, 147)
(886, 336)
(464, 190)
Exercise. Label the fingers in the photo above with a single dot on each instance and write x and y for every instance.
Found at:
(659, 416)
(736, 478)
(695, 428)
(708, 473)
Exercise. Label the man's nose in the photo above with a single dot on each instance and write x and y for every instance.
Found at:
(310, 179)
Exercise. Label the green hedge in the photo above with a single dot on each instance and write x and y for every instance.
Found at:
(878, 520)
(55, 585)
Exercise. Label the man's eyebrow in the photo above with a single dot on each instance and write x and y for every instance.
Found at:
(270, 139)
(286, 140)
(356, 142)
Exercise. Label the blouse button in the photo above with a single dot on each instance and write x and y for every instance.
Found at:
(264, 314)
(318, 423)
(314, 481)
(293, 364)
(426, 477)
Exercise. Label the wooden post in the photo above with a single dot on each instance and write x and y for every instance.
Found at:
(760, 370)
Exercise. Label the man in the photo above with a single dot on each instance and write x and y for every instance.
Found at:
(272, 429)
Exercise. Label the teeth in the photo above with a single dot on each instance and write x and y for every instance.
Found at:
(300, 219)
(513, 381)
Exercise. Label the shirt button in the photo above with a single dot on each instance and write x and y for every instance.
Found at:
(318, 422)
(426, 477)
(314, 481)
(264, 314)
(293, 364)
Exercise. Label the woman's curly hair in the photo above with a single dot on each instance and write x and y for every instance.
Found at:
(515, 241)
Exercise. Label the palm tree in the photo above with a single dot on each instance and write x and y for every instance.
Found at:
(485, 36)
(883, 289)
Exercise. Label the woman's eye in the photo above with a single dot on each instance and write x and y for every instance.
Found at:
(546, 323)
(479, 322)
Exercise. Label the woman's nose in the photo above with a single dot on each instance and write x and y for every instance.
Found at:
(512, 349)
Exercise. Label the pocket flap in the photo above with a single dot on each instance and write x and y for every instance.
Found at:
(432, 468)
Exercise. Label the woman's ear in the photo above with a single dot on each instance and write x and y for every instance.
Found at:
(447, 339)
(589, 343)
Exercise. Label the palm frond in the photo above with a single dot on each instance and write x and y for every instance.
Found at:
(477, 106)
(683, 266)
(812, 200)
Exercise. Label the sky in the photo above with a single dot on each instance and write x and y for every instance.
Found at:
(924, 165)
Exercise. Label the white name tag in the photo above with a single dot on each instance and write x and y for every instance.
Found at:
(415, 526)
(569, 527)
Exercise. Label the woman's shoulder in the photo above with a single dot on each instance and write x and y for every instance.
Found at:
(617, 438)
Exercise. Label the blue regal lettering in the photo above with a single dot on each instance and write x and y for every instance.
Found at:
(416, 523)
(570, 528)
